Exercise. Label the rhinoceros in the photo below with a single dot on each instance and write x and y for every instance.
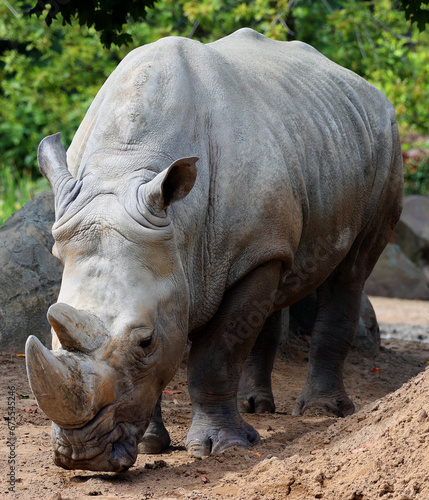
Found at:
(208, 187)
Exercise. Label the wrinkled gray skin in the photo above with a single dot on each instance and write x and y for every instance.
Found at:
(209, 186)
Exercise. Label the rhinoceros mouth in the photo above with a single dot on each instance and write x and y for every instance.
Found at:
(93, 448)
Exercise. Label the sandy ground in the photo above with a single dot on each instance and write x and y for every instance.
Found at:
(382, 451)
(402, 319)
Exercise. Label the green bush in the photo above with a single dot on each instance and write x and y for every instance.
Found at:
(17, 189)
(49, 76)
(48, 80)
(415, 152)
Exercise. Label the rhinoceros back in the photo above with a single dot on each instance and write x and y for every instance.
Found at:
(292, 147)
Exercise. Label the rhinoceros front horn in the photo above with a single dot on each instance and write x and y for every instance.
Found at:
(63, 385)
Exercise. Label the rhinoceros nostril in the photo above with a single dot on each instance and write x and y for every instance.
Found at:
(124, 453)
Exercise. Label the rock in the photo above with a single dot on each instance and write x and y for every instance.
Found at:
(412, 231)
(303, 315)
(395, 275)
(30, 275)
(368, 333)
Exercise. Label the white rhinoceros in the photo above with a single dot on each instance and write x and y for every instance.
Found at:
(297, 187)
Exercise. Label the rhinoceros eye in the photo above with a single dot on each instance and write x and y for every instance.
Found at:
(145, 343)
(143, 338)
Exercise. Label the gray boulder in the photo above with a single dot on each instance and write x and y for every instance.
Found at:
(368, 333)
(412, 231)
(395, 275)
(30, 275)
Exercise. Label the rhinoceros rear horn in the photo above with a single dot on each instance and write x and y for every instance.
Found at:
(77, 330)
(52, 160)
(170, 185)
(61, 386)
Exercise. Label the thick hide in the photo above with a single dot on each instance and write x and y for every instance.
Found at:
(208, 187)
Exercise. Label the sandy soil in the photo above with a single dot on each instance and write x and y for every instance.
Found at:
(382, 451)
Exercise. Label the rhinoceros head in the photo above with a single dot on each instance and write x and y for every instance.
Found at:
(121, 321)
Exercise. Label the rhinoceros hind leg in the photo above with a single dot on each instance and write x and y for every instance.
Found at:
(332, 337)
(254, 392)
(337, 406)
(216, 360)
(156, 438)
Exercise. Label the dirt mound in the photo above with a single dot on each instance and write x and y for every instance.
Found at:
(381, 451)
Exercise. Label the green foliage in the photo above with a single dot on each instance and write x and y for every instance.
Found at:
(107, 17)
(376, 42)
(416, 177)
(49, 76)
(48, 80)
(110, 16)
(415, 152)
(416, 11)
(16, 190)
(209, 20)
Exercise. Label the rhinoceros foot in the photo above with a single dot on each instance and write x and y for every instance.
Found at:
(155, 440)
(256, 402)
(337, 405)
(211, 434)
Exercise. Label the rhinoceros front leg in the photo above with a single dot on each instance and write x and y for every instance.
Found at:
(216, 360)
(156, 438)
(254, 392)
(331, 339)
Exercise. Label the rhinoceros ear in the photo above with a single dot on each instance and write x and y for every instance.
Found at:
(52, 160)
(171, 185)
